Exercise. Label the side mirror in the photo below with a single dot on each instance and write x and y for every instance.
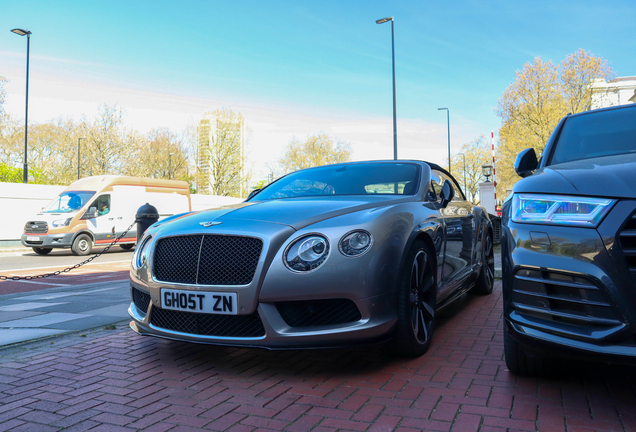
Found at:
(254, 192)
(448, 193)
(526, 162)
(90, 213)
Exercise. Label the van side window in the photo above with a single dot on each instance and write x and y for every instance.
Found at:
(102, 204)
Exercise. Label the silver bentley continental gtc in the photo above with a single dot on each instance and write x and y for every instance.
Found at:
(332, 256)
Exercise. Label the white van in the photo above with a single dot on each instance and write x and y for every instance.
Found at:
(96, 210)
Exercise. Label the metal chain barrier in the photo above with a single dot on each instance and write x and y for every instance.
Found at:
(68, 269)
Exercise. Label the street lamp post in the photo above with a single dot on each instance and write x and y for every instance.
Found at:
(448, 127)
(465, 184)
(25, 171)
(79, 140)
(382, 21)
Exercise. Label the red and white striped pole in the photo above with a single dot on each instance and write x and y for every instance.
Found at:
(494, 171)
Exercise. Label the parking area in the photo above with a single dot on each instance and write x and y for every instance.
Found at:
(111, 380)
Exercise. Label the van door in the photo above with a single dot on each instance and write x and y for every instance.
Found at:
(126, 201)
(102, 226)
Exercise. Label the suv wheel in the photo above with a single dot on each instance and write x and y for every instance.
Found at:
(520, 363)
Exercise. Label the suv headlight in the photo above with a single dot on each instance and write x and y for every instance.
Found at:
(560, 209)
(306, 253)
(61, 222)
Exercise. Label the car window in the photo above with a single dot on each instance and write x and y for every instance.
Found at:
(596, 134)
(435, 189)
(457, 196)
(355, 179)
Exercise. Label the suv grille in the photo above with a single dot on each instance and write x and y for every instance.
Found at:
(207, 259)
(208, 324)
(561, 302)
(36, 227)
(627, 239)
(318, 312)
(141, 300)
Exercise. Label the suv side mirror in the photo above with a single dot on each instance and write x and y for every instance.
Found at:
(526, 162)
(90, 213)
(448, 193)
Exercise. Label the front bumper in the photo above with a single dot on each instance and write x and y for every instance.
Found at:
(568, 291)
(373, 325)
(48, 240)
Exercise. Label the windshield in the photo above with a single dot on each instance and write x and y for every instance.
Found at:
(68, 202)
(596, 134)
(354, 179)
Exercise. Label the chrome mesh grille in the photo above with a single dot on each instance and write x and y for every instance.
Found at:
(36, 227)
(207, 259)
(627, 240)
(318, 312)
(208, 324)
(141, 300)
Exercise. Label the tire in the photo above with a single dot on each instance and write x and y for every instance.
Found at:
(486, 281)
(520, 363)
(82, 245)
(42, 251)
(127, 246)
(416, 303)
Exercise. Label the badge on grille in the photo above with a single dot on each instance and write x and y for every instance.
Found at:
(210, 223)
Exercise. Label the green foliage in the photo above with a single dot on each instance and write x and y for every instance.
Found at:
(9, 174)
(316, 150)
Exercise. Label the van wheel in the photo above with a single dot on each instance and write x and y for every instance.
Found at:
(42, 251)
(417, 297)
(82, 245)
(127, 246)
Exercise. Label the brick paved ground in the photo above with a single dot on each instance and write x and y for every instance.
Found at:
(115, 380)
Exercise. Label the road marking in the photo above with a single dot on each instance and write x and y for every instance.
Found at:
(45, 268)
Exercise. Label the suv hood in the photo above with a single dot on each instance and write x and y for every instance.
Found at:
(609, 176)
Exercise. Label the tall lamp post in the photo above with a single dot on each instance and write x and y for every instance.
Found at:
(382, 21)
(465, 184)
(79, 140)
(25, 171)
(448, 126)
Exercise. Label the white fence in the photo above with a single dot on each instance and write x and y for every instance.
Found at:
(20, 202)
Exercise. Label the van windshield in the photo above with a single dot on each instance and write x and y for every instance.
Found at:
(68, 202)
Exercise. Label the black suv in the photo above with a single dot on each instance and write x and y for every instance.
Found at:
(569, 246)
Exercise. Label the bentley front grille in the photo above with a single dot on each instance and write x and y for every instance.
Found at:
(141, 300)
(202, 324)
(36, 227)
(207, 259)
(318, 312)
(627, 239)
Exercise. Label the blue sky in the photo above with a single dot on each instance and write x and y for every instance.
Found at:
(297, 67)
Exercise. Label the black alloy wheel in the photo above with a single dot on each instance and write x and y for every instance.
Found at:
(486, 280)
(42, 251)
(82, 245)
(417, 299)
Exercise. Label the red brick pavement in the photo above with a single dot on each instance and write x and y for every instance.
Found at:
(119, 381)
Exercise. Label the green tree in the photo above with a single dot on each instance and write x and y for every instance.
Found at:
(531, 107)
(316, 150)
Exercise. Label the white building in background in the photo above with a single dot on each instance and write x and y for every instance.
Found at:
(617, 91)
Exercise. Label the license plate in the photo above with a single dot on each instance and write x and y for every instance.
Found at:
(32, 238)
(200, 301)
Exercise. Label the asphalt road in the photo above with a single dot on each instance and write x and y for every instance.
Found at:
(27, 259)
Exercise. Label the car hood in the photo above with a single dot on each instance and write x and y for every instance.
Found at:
(609, 176)
(294, 212)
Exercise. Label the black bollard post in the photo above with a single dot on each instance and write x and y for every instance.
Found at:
(146, 216)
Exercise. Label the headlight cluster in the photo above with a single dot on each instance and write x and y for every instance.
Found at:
(309, 252)
(61, 222)
(355, 243)
(559, 209)
(141, 252)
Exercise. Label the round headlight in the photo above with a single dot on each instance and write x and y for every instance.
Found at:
(141, 252)
(307, 253)
(355, 243)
